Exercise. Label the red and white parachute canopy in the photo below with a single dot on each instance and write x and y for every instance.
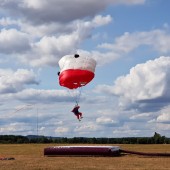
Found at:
(76, 71)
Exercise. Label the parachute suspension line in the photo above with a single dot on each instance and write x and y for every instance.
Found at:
(78, 95)
(70, 93)
(75, 94)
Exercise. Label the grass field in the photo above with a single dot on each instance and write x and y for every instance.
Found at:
(30, 157)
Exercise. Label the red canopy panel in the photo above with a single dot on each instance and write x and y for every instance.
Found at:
(73, 79)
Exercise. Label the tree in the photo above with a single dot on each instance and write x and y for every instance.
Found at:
(157, 138)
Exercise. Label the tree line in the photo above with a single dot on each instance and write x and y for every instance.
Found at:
(12, 139)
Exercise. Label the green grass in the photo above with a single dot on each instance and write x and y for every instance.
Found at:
(31, 157)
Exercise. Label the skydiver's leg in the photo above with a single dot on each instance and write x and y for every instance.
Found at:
(77, 116)
(81, 115)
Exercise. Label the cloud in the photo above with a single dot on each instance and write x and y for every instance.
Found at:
(86, 128)
(47, 11)
(55, 39)
(14, 81)
(143, 82)
(126, 132)
(164, 116)
(142, 88)
(158, 39)
(104, 88)
(43, 96)
(17, 128)
(142, 117)
(47, 49)
(13, 41)
(155, 40)
(59, 32)
(163, 128)
(61, 130)
(136, 129)
(105, 121)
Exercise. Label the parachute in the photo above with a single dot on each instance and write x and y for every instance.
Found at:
(76, 71)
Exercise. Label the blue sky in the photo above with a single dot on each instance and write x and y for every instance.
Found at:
(129, 39)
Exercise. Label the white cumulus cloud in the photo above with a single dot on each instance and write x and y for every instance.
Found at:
(164, 116)
(143, 82)
(105, 120)
(146, 86)
(47, 11)
(61, 130)
(14, 81)
(156, 40)
(13, 41)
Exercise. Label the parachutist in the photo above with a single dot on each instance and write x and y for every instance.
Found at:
(76, 112)
(75, 72)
